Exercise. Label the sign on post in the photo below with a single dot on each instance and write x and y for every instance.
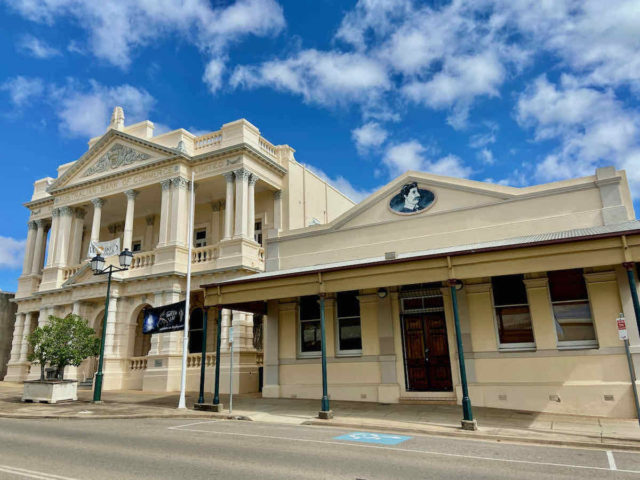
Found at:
(622, 327)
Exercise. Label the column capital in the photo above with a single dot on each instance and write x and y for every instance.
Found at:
(55, 212)
(66, 211)
(217, 206)
(277, 195)
(98, 202)
(253, 178)
(80, 213)
(42, 223)
(166, 184)
(179, 182)
(131, 194)
(241, 174)
(228, 176)
(32, 225)
(151, 219)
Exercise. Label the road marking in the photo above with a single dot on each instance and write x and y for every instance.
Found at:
(612, 461)
(396, 449)
(191, 424)
(32, 473)
(370, 437)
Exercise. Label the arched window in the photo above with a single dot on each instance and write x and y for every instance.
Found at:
(196, 324)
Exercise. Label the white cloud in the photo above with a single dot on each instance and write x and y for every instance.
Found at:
(369, 135)
(481, 140)
(411, 155)
(11, 252)
(486, 156)
(86, 111)
(115, 29)
(326, 78)
(23, 89)
(342, 184)
(213, 74)
(37, 48)
(591, 126)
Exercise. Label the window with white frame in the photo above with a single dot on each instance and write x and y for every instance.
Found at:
(571, 310)
(349, 332)
(513, 318)
(200, 237)
(310, 334)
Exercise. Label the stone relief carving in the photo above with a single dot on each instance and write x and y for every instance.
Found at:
(118, 156)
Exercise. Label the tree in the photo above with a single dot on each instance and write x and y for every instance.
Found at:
(63, 341)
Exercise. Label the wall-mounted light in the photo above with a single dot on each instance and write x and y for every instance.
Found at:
(382, 292)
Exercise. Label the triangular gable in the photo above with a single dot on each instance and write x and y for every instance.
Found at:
(443, 194)
(113, 153)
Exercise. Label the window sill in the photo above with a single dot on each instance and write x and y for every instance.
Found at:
(354, 353)
(592, 346)
(516, 349)
(309, 355)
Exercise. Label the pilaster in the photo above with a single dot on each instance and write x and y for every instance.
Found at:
(228, 206)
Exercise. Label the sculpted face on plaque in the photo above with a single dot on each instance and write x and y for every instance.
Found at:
(411, 199)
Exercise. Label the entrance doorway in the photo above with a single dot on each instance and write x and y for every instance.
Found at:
(426, 347)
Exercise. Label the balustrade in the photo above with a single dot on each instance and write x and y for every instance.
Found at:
(143, 259)
(267, 146)
(138, 363)
(204, 254)
(69, 272)
(208, 140)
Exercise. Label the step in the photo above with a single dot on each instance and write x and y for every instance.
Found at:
(427, 400)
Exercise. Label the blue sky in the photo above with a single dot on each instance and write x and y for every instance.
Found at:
(517, 92)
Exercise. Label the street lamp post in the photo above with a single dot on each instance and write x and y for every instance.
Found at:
(97, 265)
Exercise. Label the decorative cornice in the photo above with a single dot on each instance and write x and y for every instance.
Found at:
(118, 156)
(131, 194)
(98, 202)
(32, 225)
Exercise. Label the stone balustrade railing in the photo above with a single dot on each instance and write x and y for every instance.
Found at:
(143, 259)
(267, 146)
(194, 360)
(209, 140)
(69, 272)
(138, 363)
(204, 254)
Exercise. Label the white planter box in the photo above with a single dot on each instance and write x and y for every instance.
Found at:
(50, 391)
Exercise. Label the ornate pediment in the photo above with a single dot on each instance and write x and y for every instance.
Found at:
(117, 156)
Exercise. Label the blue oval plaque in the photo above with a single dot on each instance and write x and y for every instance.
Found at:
(411, 199)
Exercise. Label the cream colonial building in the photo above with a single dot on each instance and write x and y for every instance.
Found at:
(539, 276)
(133, 185)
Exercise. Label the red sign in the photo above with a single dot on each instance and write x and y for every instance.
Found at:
(621, 324)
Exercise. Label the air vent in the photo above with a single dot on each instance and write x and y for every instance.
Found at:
(554, 398)
(390, 255)
(609, 398)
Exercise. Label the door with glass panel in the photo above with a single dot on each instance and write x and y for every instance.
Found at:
(426, 347)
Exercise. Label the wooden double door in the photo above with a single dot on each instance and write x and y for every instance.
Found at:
(426, 350)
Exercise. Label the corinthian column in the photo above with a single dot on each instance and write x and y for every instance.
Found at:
(242, 177)
(64, 235)
(228, 206)
(97, 217)
(251, 207)
(29, 248)
(277, 210)
(76, 237)
(38, 250)
(165, 212)
(128, 221)
(26, 330)
(51, 251)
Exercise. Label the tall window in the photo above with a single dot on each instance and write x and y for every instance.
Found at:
(136, 246)
(512, 312)
(196, 324)
(310, 336)
(348, 316)
(200, 237)
(257, 233)
(571, 311)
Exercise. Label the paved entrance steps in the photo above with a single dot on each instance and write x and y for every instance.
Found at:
(496, 424)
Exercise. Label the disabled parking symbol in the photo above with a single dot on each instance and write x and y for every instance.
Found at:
(370, 437)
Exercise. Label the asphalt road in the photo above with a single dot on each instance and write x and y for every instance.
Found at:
(179, 449)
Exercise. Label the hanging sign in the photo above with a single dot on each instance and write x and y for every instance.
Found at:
(105, 249)
(622, 328)
(168, 318)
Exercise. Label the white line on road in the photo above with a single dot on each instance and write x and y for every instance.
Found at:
(191, 424)
(612, 461)
(396, 449)
(32, 473)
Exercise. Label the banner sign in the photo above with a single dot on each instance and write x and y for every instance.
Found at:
(105, 249)
(168, 318)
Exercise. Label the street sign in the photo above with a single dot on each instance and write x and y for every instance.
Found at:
(370, 437)
(622, 327)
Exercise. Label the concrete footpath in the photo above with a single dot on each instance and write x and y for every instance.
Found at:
(444, 420)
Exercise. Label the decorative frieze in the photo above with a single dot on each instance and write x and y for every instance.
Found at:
(118, 156)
